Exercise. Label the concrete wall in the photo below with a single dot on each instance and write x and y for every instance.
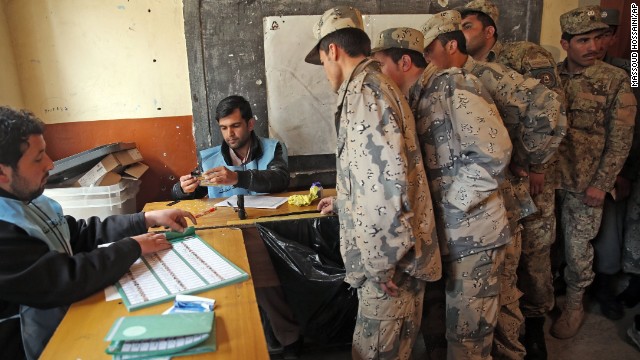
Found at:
(10, 92)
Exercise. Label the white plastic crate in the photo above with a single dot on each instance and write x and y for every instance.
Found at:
(101, 201)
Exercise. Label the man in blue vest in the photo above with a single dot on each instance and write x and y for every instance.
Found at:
(48, 260)
(244, 164)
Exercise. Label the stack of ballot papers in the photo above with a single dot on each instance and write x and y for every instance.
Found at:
(162, 336)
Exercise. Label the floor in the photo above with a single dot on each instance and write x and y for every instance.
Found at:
(599, 338)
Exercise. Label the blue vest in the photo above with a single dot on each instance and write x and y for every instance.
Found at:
(212, 158)
(42, 218)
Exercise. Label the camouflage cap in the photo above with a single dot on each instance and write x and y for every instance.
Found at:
(582, 20)
(610, 16)
(336, 18)
(401, 37)
(440, 23)
(483, 6)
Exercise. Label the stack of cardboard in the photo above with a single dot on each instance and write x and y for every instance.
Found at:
(113, 167)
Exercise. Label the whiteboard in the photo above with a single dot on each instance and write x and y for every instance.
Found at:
(300, 102)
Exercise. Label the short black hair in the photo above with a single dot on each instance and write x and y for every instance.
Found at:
(16, 126)
(456, 35)
(397, 53)
(353, 41)
(229, 104)
(485, 19)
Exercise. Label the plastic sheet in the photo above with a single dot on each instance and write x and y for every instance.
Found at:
(306, 256)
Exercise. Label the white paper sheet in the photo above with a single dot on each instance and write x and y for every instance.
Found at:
(256, 202)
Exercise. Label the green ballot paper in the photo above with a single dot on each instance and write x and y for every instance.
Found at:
(161, 336)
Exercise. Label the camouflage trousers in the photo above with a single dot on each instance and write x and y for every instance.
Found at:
(386, 327)
(534, 271)
(579, 224)
(631, 248)
(506, 343)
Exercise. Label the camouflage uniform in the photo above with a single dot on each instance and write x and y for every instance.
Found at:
(538, 229)
(465, 156)
(387, 227)
(386, 215)
(536, 121)
(601, 109)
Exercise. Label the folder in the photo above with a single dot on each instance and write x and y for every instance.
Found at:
(153, 336)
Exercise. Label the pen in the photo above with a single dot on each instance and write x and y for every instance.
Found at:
(231, 206)
(205, 212)
(173, 203)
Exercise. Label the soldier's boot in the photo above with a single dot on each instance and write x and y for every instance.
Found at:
(631, 295)
(569, 322)
(534, 338)
(610, 307)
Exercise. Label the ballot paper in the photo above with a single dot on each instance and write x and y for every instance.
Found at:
(191, 266)
(254, 201)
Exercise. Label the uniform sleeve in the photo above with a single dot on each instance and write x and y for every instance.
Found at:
(379, 167)
(619, 123)
(483, 144)
(534, 115)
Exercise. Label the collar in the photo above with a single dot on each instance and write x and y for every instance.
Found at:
(563, 68)
(6, 194)
(495, 51)
(357, 70)
(254, 153)
(470, 64)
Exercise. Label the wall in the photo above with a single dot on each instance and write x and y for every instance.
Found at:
(10, 93)
(108, 71)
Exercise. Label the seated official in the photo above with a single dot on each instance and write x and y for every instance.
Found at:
(47, 260)
(245, 164)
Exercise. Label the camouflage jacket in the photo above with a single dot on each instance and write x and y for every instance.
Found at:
(465, 148)
(383, 200)
(601, 110)
(532, 61)
(632, 165)
(535, 119)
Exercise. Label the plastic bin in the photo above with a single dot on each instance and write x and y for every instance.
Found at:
(100, 201)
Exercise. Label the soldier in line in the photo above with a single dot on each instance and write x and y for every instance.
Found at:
(387, 230)
(479, 24)
(466, 148)
(608, 245)
(535, 120)
(601, 110)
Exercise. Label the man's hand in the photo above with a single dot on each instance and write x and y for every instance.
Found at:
(325, 206)
(221, 176)
(517, 170)
(189, 183)
(150, 243)
(623, 188)
(390, 288)
(173, 218)
(593, 197)
(536, 183)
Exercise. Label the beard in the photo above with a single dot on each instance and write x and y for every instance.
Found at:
(21, 190)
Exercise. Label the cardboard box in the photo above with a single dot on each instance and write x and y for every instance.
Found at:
(136, 170)
(128, 157)
(95, 175)
(110, 169)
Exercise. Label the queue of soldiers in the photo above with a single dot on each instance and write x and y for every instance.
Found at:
(453, 150)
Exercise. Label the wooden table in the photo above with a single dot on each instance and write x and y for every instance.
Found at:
(239, 332)
(225, 216)
(264, 275)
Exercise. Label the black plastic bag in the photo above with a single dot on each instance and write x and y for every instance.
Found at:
(306, 256)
